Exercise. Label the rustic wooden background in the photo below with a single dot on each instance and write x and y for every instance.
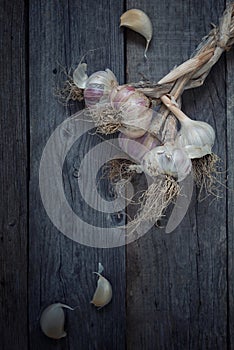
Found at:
(172, 291)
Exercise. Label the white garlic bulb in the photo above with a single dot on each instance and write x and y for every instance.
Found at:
(167, 160)
(138, 21)
(195, 137)
(52, 321)
(103, 293)
(98, 87)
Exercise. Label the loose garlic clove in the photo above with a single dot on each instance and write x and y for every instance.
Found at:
(138, 21)
(52, 321)
(103, 293)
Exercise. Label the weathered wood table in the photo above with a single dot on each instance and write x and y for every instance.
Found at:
(172, 291)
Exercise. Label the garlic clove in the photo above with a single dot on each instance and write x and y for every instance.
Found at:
(79, 76)
(103, 292)
(52, 321)
(138, 21)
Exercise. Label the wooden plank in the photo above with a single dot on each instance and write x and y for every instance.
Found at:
(61, 269)
(176, 283)
(230, 184)
(13, 177)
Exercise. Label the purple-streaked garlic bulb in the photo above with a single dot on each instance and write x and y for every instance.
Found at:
(98, 87)
(133, 108)
(137, 148)
(167, 160)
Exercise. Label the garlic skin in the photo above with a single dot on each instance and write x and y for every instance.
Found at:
(52, 321)
(79, 76)
(138, 21)
(98, 87)
(167, 160)
(103, 293)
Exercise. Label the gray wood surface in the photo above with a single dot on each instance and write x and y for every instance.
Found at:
(13, 177)
(176, 283)
(170, 291)
(61, 32)
(230, 184)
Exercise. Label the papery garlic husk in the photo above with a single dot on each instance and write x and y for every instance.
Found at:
(80, 77)
(137, 148)
(52, 321)
(167, 160)
(98, 87)
(195, 137)
(138, 21)
(103, 293)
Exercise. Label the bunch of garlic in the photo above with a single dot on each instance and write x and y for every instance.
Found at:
(113, 105)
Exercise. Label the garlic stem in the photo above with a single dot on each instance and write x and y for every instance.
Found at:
(174, 109)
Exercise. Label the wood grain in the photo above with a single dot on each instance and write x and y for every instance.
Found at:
(13, 177)
(61, 32)
(176, 283)
(230, 184)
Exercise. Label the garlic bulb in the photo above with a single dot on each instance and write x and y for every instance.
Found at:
(195, 137)
(103, 293)
(98, 87)
(138, 21)
(137, 148)
(167, 160)
(114, 107)
(132, 106)
(52, 321)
